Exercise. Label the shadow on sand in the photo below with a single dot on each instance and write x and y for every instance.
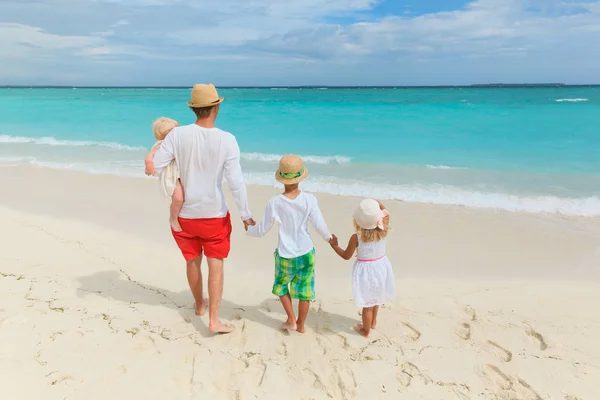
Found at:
(113, 285)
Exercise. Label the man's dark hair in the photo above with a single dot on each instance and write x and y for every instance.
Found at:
(202, 112)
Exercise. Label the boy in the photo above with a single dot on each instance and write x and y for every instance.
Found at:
(295, 253)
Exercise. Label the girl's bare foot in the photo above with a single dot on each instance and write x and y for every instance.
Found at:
(300, 329)
(220, 327)
(201, 310)
(359, 328)
(175, 225)
(288, 326)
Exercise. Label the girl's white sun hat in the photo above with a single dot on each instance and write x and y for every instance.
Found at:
(369, 215)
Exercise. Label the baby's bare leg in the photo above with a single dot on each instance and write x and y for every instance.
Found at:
(176, 203)
(375, 311)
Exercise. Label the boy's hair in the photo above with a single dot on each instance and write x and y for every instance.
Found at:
(162, 126)
(373, 235)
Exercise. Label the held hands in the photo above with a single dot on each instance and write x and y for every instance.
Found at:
(249, 222)
(333, 241)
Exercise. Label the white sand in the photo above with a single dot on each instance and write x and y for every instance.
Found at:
(94, 304)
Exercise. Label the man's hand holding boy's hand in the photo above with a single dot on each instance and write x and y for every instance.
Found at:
(249, 222)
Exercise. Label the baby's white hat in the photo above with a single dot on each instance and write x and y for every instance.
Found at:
(369, 215)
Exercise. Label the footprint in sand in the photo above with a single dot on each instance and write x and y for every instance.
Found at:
(498, 378)
(537, 337)
(470, 313)
(410, 331)
(503, 354)
(526, 392)
(409, 371)
(463, 331)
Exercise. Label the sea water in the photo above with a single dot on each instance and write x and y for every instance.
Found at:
(518, 149)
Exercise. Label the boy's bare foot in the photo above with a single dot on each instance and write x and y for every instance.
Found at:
(359, 328)
(220, 328)
(175, 225)
(287, 326)
(300, 328)
(201, 309)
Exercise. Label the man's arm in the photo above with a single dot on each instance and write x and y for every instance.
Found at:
(165, 154)
(232, 172)
(262, 228)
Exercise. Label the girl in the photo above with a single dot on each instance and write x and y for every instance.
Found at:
(169, 177)
(372, 275)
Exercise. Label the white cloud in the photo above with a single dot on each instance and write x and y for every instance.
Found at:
(496, 36)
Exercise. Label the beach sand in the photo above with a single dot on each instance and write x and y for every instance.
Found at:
(95, 304)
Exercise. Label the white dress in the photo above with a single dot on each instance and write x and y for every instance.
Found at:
(372, 276)
(168, 176)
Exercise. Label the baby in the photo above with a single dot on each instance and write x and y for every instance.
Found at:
(169, 177)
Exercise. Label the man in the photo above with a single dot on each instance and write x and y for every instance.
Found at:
(205, 155)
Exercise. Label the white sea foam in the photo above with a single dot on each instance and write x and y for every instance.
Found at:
(442, 167)
(50, 141)
(433, 194)
(571, 100)
(447, 195)
(309, 159)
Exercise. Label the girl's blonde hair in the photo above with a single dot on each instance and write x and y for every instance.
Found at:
(373, 235)
(162, 126)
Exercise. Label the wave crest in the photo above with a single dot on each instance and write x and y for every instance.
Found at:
(571, 100)
(50, 141)
(311, 159)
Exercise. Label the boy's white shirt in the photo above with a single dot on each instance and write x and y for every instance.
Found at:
(293, 217)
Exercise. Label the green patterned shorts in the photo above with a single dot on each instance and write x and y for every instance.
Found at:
(298, 273)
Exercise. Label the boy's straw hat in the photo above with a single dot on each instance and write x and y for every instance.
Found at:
(204, 96)
(369, 215)
(291, 170)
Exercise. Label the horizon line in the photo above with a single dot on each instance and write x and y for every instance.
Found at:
(478, 85)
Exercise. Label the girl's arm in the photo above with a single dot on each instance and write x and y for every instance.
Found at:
(349, 251)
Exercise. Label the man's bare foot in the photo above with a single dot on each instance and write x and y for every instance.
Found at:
(287, 326)
(175, 225)
(359, 328)
(300, 328)
(220, 328)
(201, 310)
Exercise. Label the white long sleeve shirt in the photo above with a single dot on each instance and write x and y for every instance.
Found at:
(204, 156)
(292, 217)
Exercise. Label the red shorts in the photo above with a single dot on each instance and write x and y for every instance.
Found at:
(210, 236)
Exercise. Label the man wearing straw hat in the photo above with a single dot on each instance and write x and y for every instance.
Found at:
(205, 155)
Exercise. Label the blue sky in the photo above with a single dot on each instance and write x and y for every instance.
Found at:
(298, 42)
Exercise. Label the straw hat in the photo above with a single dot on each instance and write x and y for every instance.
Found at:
(291, 170)
(369, 215)
(204, 96)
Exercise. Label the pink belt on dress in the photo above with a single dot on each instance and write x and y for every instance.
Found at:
(369, 260)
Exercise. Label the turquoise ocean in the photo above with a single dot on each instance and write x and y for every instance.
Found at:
(519, 149)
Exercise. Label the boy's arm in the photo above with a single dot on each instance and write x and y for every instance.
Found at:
(232, 172)
(317, 221)
(349, 251)
(264, 226)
